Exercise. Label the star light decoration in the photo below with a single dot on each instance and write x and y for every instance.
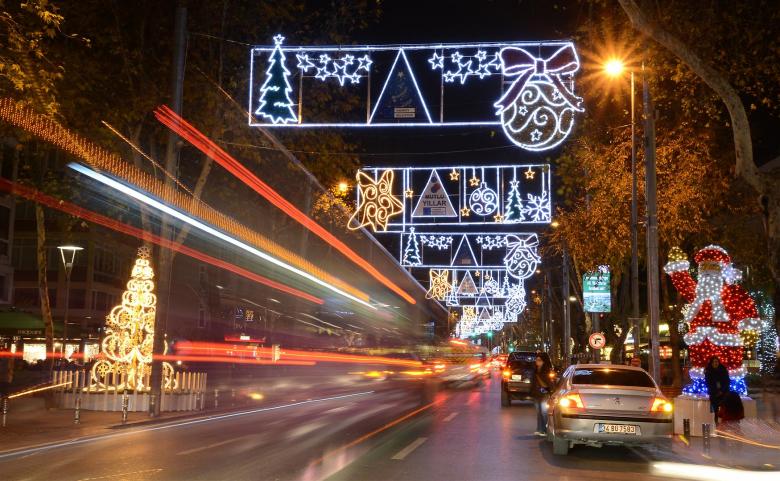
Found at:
(409, 193)
(464, 212)
(378, 202)
(474, 181)
(529, 174)
(454, 175)
(343, 69)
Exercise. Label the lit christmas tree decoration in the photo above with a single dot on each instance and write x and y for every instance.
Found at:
(129, 341)
(275, 102)
(719, 310)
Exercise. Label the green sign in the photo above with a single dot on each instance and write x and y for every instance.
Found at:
(596, 294)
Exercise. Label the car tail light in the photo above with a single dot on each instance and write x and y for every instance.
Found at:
(661, 405)
(571, 400)
(506, 373)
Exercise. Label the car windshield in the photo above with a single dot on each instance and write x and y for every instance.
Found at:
(613, 377)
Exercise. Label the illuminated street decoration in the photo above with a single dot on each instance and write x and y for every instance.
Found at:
(411, 255)
(439, 284)
(521, 258)
(376, 202)
(501, 193)
(536, 111)
(483, 200)
(346, 68)
(720, 309)
(129, 335)
(275, 103)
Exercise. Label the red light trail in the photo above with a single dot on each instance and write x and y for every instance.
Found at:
(184, 129)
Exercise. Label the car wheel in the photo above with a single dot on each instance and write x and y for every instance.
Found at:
(560, 446)
(505, 401)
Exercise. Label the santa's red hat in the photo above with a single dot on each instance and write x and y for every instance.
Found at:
(713, 253)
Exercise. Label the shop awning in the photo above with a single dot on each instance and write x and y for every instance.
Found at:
(25, 325)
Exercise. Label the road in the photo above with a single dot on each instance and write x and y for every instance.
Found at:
(374, 433)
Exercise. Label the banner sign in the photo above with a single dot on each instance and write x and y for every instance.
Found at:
(596, 292)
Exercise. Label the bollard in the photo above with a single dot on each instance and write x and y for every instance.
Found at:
(77, 412)
(232, 397)
(5, 409)
(152, 399)
(197, 400)
(705, 432)
(687, 428)
(216, 398)
(125, 405)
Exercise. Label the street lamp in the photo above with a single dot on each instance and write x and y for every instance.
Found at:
(68, 254)
(343, 187)
(615, 68)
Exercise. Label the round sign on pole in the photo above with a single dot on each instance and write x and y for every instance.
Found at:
(597, 340)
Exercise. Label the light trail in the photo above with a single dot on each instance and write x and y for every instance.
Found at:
(77, 211)
(208, 349)
(49, 130)
(207, 419)
(177, 124)
(141, 197)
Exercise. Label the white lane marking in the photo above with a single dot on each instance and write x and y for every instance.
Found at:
(450, 417)
(73, 442)
(145, 471)
(407, 450)
(203, 448)
(706, 473)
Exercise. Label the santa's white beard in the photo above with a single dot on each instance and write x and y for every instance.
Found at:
(708, 288)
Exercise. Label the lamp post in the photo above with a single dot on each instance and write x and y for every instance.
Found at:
(614, 68)
(68, 255)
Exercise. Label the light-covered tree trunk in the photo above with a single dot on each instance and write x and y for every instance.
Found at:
(43, 284)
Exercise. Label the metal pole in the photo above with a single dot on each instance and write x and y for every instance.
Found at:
(634, 229)
(125, 406)
(68, 269)
(596, 322)
(653, 307)
(77, 412)
(5, 409)
(566, 313)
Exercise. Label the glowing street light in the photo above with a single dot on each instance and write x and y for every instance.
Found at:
(68, 254)
(614, 67)
(343, 187)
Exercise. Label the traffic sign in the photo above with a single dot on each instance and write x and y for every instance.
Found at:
(597, 340)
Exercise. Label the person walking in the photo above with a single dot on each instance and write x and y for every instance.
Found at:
(541, 385)
(716, 377)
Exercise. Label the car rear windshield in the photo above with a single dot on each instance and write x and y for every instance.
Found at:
(517, 365)
(613, 377)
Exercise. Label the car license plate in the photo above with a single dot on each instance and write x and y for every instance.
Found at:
(618, 429)
(517, 377)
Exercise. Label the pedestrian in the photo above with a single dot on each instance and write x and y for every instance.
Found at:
(731, 409)
(541, 385)
(716, 377)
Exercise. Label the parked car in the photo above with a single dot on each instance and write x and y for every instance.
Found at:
(516, 376)
(606, 404)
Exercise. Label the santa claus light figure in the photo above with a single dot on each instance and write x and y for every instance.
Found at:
(719, 310)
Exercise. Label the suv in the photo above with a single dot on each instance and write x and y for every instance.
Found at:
(516, 376)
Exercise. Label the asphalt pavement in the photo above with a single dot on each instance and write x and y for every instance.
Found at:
(375, 432)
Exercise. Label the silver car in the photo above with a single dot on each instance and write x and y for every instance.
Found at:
(598, 404)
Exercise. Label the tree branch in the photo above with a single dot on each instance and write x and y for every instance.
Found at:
(743, 147)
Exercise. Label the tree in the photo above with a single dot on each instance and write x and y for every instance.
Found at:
(760, 36)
